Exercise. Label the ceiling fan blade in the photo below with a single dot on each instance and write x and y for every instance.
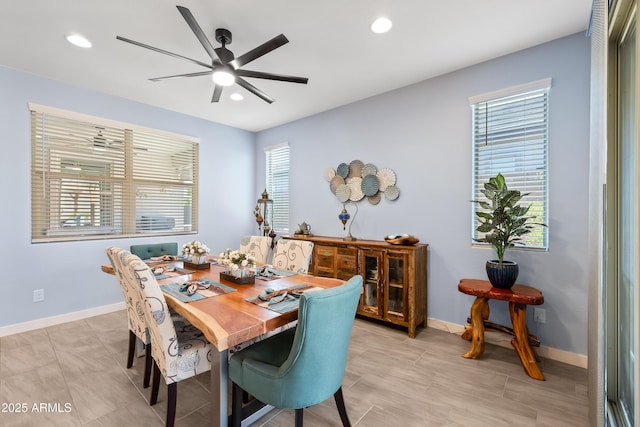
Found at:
(271, 76)
(217, 91)
(254, 90)
(155, 49)
(256, 53)
(186, 14)
(177, 76)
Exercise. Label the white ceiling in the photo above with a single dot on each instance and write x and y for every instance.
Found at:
(330, 43)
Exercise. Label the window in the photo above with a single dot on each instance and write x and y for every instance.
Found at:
(94, 178)
(510, 137)
(277, 168)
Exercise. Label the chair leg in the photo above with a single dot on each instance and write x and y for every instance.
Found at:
(147, 365)
(236, 405)
(342, 410)
(155, 385)
(299, 416)
(172, 397)
(132, 348)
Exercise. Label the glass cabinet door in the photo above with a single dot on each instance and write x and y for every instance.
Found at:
(396, 285)
(371, 263)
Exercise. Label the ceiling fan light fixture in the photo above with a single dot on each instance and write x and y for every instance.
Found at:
(381, 25)
(236, 96)
(223, 77)
(78, 40)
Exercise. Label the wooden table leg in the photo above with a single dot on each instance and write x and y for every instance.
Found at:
(479, 312)
(520, 341)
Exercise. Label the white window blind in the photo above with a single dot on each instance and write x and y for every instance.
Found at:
(277, 170)
(93, 178)
(510, 137)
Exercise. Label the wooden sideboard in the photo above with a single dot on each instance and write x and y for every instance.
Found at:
(395, 276)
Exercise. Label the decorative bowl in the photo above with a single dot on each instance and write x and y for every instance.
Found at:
(402, 240)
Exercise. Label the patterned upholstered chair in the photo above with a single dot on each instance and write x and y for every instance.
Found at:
(180, 350)
(292, 255)
(135, 313)
(258, 246)
(154, 249)
(304, 366)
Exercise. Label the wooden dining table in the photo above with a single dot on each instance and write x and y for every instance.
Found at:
(228, 320)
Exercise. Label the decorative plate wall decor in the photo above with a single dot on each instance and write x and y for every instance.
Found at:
(357, 180)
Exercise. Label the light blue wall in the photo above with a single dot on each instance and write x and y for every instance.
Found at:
(70, 272)
(423, 133)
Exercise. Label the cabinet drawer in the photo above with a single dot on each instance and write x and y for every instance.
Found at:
(324, 258)
(347, 264)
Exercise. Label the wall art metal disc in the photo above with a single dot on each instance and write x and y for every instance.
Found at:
(391, 192)
(369, 169)
(386, 177)
(355, 184)
(343, 170)
(370, 185)
(343, 192)
(336, 181)
(355, 168)
(375, 199)
(329, 173)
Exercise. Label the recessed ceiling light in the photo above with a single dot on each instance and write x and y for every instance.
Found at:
(236, 96)
(381, 25)
(78, 40)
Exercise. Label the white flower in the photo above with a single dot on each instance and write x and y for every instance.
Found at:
(194, 247)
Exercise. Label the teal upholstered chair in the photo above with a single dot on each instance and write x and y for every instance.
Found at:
(135, 315)
(154, 249)
(304, 366)
(179, 350)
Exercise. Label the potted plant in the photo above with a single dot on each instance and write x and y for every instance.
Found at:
(504, 222)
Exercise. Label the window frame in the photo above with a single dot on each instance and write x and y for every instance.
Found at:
(108, 163)
(279, 215)
(526, 152)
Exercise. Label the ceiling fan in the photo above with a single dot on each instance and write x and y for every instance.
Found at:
(224, 62)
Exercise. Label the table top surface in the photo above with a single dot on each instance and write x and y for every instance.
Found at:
(520, 294)
(228, 320)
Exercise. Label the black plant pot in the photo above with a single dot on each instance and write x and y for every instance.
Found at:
(502, 276)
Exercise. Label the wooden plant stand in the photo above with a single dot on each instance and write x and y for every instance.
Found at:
(518, 297)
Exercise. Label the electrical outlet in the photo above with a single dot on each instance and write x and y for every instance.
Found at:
(539, 315)
(38, 295)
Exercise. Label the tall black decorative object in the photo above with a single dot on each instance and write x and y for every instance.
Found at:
(264, 212)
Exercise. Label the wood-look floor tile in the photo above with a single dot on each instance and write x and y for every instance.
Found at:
(391, 380)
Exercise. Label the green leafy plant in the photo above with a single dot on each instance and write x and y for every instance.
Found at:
(503, 220)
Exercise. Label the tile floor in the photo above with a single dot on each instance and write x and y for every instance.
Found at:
(75, 375)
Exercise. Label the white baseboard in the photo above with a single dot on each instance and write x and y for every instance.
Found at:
(62, 318)
(504, 340)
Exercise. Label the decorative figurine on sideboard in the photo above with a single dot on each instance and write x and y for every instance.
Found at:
(264, 208)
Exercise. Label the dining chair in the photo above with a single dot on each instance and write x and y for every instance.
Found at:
(258, 246)
(292, 255)
(179, 349)
(135, 314)
(304, 366)
(147, 251)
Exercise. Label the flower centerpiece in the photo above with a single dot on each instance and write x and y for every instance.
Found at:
(195, 252)
(240, 264)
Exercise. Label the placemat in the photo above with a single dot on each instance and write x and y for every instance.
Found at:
(283, 300)
(212, 289)
(178, 271)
